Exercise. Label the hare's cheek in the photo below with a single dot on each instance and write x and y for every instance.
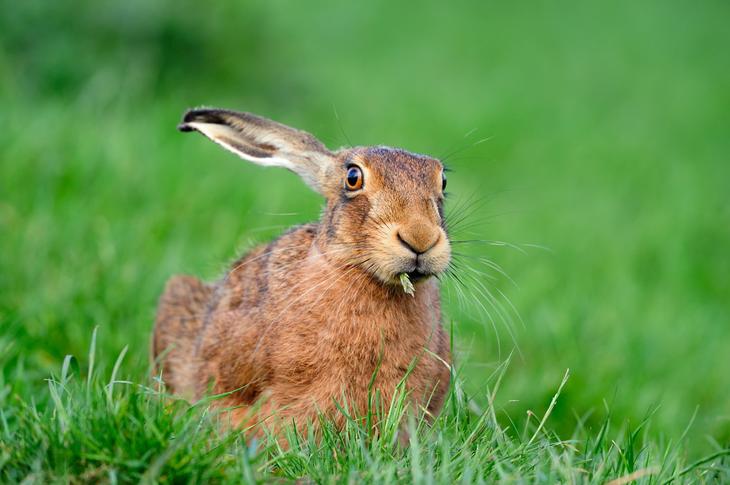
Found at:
(352, 216)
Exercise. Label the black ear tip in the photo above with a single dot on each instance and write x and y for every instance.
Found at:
(191, 115)
(200, 115)
(203, 115)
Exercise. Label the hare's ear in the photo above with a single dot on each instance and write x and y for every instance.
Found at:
(264, 142)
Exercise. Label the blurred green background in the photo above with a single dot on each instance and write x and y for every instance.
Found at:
(594, 137)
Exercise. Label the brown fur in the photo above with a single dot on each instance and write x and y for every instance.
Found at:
(306, 320)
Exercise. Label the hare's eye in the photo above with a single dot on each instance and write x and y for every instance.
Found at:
(443, 181)
(353, 181)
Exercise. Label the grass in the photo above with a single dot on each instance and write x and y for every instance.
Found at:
(591, 139)
(105, 428)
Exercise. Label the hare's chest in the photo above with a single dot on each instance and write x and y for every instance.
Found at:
(353, 356)
(356, 346)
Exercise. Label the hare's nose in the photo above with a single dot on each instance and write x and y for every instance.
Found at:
(418, 238)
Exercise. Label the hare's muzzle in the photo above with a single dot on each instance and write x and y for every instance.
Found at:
(422, 249)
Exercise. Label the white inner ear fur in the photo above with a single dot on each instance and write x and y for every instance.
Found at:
(219, 134)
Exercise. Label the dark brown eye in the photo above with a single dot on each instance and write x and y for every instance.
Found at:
(353, 180)
(443, 181)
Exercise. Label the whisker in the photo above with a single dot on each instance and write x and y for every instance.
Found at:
(490, 243)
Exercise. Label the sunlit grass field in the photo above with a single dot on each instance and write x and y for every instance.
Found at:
(589, 149)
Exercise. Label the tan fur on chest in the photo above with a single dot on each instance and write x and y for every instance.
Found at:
(353, 329)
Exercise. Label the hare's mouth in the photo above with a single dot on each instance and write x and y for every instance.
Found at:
(416, 276)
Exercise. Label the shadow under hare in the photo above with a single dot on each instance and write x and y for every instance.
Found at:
(307, 321)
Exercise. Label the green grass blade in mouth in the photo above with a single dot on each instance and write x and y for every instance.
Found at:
(405, 281)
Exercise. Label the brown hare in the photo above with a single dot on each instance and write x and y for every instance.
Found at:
(298, 325)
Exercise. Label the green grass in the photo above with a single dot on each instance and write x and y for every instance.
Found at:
(108, 429)
(604, 166)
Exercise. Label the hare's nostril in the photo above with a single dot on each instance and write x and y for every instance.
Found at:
(405, 243)
(416, 247)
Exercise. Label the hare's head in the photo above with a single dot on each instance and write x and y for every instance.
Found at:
(384, 205)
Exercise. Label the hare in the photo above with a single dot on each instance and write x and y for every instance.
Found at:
(298, 325)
